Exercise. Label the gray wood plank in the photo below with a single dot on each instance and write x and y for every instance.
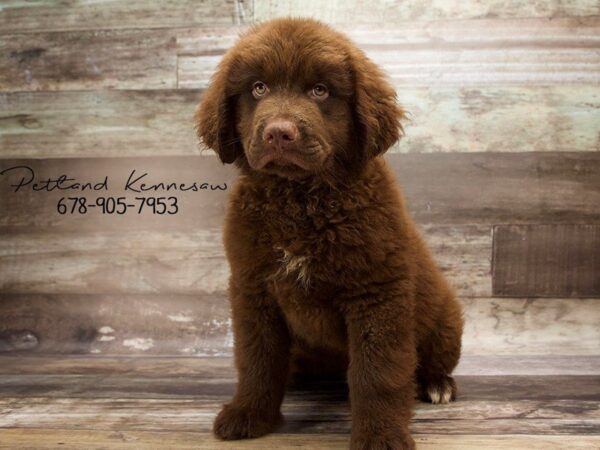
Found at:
(519, 392)
(221, 368)
(98, 123)
(202, 208)
(381, 11)
(159, 123)
(319, 415)
(198, 325)
(463, 53)
(492, 188)
(71, 439)
(50, 15)
(132, 59)
(148, 262)
(546, 260)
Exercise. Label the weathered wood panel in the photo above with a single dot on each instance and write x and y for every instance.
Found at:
(442, 119)
(189, 262)
(50, 15)
(199, 325)
(29, 210)
(441, 189)
(553, 411)
(381, 11)
(70, 439)
(526, 326)
(131, 59)
(492, 188)
(117, 324)
(448, 53)
(221, 368)
(453, 53)
(546, 260)
(209, 387)
(98, 124)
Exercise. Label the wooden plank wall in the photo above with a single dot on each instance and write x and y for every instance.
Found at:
(500, 166)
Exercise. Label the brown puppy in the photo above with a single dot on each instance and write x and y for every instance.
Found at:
(327, 267)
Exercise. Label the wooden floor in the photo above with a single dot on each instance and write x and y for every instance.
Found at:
(169, 403)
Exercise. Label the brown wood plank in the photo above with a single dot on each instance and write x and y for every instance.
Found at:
(464, 53)
(150, 261)
(19, 17)
(441, 189)
(168, 324)
(209, 388)
(378, 12)
(497, 188)
(190, 414)
(198, 325)
(132, 59)
(546, 260)
(70, 439)
(221, 368)
(159, 122)
(198, 209)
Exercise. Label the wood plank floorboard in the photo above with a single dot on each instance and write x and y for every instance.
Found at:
(121, 403)
(68, 439)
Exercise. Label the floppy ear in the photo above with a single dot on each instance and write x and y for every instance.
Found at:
(215, 116)
(377, 114)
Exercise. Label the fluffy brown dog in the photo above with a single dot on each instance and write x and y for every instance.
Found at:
(327, 268)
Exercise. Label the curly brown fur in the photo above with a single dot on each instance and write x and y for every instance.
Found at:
(327, 268)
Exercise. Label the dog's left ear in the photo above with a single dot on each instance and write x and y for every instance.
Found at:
(215, 116)
(377, 113)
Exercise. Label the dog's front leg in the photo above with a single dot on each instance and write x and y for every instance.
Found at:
(381, 373)
(262, 358)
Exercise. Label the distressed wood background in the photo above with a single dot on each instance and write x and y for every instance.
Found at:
(500, 166)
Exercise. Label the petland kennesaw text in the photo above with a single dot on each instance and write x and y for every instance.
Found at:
(136, 182)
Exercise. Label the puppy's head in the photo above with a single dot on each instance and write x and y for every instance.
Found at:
(295, 98)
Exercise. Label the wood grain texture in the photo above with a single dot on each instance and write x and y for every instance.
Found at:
(69, 439)
(492, 188)
(184, 262)
(546, 260)
(99, 123)
(37, 210)
(381, 11)
(207, 389)
(221, 368)
(134, 399)
(441, 189)
(488, 405)
(159, 123)
(50, 15)
(88, 60)
(464, 53)
(199, 325)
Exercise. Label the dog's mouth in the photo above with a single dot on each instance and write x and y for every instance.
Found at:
(303, 159)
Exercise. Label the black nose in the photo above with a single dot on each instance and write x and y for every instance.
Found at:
(280, 134)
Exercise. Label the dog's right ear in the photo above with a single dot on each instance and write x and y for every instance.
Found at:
(215, 116)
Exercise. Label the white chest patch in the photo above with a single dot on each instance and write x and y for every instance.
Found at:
(295, 265)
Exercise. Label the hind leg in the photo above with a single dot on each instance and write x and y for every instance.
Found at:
(439, 353)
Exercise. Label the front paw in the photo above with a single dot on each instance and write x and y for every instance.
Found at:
(235, 422)
(376, 442)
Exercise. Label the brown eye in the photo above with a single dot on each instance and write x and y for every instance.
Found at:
(320, 91)
(259, 89)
